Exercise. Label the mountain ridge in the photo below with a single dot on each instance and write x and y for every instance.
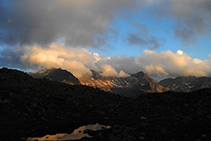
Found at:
(131, 86)
(57, 75)
(186, 83)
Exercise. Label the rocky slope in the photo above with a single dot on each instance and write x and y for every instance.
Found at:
(57, 75)
(186, 84)
(35, 107)
(131, 86)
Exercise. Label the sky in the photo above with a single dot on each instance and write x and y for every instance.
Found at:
(163, 38)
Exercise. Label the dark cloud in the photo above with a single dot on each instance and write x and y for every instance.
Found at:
(45, 21)
(191, 17)
(190, 28)
(151, 43)
(143, 37)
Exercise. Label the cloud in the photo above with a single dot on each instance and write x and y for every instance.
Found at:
(155, 70)
(141, 36)
(110, 71)
(127, 64)
(76, 60)
(160, 65)
(191, 17)
(80, 61)
(177, 64)
(58, 55)
(151, 43)
(41, 22)
(10, 58)
(88, 23)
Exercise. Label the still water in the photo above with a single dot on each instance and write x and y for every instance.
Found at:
(76, 135)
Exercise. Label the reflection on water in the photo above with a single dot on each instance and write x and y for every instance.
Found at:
(76, 135)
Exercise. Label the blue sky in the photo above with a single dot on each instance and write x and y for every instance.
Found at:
(162, 29)
(113, 36)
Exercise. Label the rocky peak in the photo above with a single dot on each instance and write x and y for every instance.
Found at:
(140, 73)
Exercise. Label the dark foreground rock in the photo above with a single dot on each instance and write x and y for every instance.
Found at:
(35, 107)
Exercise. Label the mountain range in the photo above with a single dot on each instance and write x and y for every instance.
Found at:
(186, 84)
(131, 86)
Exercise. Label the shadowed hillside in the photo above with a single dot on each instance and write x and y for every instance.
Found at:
(35, 107)
(57, 75)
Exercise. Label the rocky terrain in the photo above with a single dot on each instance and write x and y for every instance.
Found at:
(186, 84)
(35, 107)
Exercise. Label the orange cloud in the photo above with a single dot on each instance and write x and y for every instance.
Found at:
(80, 61)
(155, 70)
(110, 71)
(57, 55)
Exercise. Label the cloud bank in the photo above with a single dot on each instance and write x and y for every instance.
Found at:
(76, 60)
(57, 55)
(80, 61)
(160, 65)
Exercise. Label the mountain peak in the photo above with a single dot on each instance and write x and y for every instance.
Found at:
(140, 73)
(57, 74)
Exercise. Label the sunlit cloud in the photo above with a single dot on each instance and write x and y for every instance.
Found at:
(110, 71)
(160, 65)
(59, 56)
(76, 60)
(80, 61)
(155, 70)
